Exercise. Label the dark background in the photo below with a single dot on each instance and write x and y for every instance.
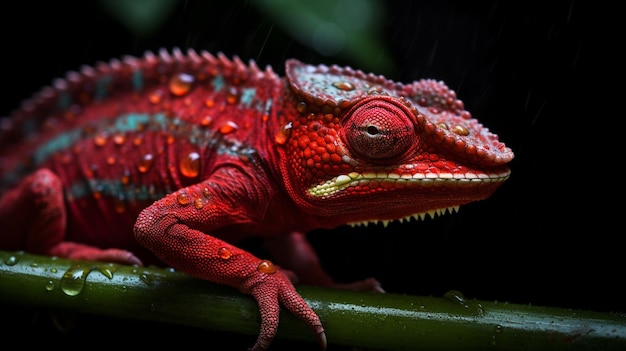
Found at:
(540, 76)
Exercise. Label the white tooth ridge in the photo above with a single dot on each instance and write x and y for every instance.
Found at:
(416, 216)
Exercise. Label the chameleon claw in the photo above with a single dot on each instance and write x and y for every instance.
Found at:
(321, 338)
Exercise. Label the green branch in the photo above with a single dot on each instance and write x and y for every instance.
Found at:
(385, 321)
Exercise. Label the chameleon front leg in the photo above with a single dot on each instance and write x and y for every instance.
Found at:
(34, 218)
(178, 228)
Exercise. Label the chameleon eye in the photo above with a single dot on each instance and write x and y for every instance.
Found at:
(379, 129)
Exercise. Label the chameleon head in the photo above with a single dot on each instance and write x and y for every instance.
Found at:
(363, 148)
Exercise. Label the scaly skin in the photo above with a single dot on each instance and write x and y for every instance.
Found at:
(173, 158)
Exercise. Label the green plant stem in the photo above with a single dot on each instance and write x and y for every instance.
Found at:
(386, 321)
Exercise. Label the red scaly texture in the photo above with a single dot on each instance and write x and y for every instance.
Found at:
(173, 158)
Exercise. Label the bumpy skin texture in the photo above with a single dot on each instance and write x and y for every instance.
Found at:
(174, 158)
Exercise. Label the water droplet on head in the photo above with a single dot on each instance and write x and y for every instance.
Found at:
(460, 130)
(145, 162)
(283, 134)
(301, 107)
(343, 85)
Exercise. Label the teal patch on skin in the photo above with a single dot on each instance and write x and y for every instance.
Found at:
(247, 95)
(137, 80)
(61, 142)
(218, 83)
(113, 188)
(102, 87)
(29, 126)
(64, 101)
(157, 122)
(132, 122)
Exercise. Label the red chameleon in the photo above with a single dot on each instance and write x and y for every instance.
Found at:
(173, 158)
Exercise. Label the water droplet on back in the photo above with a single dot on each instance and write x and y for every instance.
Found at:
(181, 83)
(145, 163)
(189, 165)
(228, 127)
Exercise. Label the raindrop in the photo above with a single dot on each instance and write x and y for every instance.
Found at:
(206, 121)
(283, 133)
(301, 107)
(224, 253)
(73, 280)
(156, 97)
(232, 96)
(266, 267)
(228, 127)
(455, 296)
(49, 285)
(100, 139)
(198, 203)
(346, 86)
(181, 84)
(146, 278)
(119, 139)
(190, 165)
(183, 198)
(460, 130)
(145, 163)
(11, 260)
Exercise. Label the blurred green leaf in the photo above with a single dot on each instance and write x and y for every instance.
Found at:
(350, 28)
(140, 17)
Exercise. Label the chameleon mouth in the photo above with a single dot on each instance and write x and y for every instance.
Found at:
(369, 180)
(416, 216)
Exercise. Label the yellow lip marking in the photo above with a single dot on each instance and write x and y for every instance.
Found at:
(343, 181)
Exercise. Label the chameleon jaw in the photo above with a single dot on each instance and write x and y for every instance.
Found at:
(417, 216)
(394, 180)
